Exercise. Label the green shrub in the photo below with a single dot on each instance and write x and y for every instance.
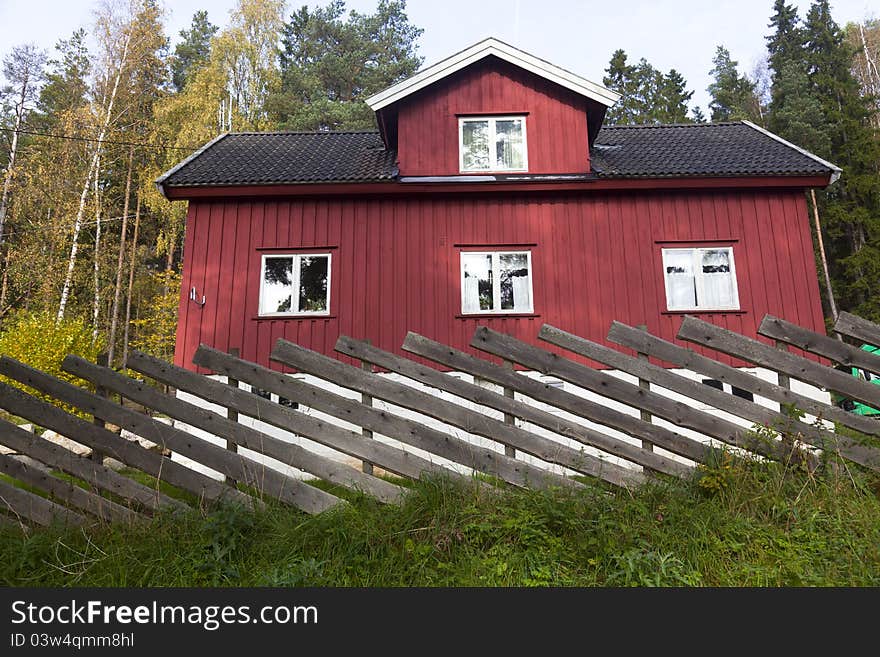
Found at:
(36, 340)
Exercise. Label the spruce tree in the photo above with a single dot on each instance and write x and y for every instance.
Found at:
(851, 207)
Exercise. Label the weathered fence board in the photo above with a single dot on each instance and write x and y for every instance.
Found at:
(24, 504)
(96, 474)
(245, 470)
(780, 422)
(239, 434)
(739, 346)
(627, 393)
(561, 399)
(346, 442)
(449, 413)
(688, 359)
(64, 491)
(508, 405)
(404, 430)
(858, 328)
(822, 345)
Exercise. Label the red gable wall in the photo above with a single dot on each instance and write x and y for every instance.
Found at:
(395, 268)
(556, 122)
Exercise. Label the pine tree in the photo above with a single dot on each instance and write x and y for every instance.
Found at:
(733, 95)
(193, 51)
(619, 77)
(330, 63)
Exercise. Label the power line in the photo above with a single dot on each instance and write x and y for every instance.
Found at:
(104, 141)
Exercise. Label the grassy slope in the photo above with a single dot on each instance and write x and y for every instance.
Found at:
(741, 525)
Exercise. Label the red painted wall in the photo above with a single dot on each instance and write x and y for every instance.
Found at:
(395, 266)
(556, 121)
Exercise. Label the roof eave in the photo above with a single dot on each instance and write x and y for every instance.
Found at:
(835, 170)
(160, 181)
(503, 51)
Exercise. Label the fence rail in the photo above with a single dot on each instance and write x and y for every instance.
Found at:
(355, 428)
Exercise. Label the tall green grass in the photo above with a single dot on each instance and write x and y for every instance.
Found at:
(740, 523)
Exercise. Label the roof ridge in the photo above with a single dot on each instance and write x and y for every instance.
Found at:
(304, 132)
(648, 126)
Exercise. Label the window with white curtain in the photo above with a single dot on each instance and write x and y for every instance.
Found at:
(496, 282)
(700, 278)
(492, 143)
(296, 284)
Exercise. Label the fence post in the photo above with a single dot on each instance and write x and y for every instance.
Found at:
(645, 385)
(508, 418)
(231, 414)
(366, 400)
(102, 360)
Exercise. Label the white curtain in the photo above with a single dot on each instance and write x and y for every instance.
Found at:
(717, 279)
(681, 291)
(509, 144)
(521, 299)
(471, 294)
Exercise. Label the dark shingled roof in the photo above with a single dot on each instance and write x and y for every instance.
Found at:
(267, 158)
(701, 149)
(671, 151)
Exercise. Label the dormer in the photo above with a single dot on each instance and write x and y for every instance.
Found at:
(492, 110)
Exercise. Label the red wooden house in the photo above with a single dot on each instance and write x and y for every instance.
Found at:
(491, 194)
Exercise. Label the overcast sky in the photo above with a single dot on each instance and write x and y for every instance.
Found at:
(578, 35)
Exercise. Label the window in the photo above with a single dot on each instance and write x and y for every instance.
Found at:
(492, 143)
(295, 284)
(496, 282)
(700, 279)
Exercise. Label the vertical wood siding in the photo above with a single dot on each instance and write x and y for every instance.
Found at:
(556, 125)
(395, 264)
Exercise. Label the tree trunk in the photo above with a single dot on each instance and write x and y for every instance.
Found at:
(96, 302)
(134, 242)
(7, 179)
(114, 313)
(93, 169)
(829, 289)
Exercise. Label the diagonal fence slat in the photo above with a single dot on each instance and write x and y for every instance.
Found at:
(686, 358)
(382, 422)
(490, 399)
(130, 453)
(442, 410)
(63, 491)
(242, 469)
(24, 504)
(606, 385)
(215, 424)
(821, 345)
(739, 346)
(344, 441)
(806, 432)
(608, 471)
(561, 399)
(858, 328)
(140, 425)
(60, 458)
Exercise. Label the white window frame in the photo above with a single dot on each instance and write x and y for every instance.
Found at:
(492, 120)
(496, 283)
(295, 285)
(697, 268)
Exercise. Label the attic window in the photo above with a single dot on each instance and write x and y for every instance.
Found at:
(492, 143)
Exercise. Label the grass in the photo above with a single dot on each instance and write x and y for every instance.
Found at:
(738, 524)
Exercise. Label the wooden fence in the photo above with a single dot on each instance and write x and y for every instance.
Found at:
(641, 418)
